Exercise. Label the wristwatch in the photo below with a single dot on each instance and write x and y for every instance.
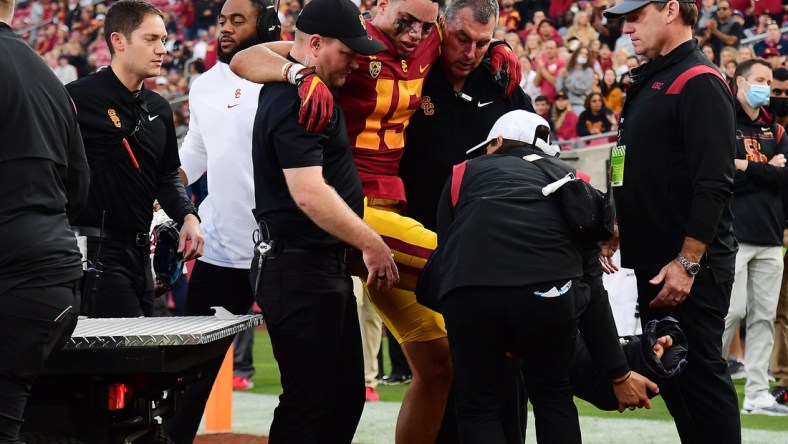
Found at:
(692, 267)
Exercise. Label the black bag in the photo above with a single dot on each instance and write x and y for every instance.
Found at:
(590, 213)
(428, 284)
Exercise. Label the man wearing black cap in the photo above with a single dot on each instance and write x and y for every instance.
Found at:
(672, 174)
(309, 204)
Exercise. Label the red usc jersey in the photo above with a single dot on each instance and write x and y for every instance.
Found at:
(510, 20)
(378, 99)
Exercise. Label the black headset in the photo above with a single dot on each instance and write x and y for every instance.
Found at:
(269, 29)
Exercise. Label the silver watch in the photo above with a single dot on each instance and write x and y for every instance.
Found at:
(692, 267)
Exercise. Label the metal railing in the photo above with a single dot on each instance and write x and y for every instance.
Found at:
(580, 142)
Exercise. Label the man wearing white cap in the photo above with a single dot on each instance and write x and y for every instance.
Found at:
(511, 281)
(673, 181)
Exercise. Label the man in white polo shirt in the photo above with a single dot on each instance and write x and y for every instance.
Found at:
(222, 108)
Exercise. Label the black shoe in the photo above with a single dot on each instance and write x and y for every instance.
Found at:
(780, 394)
(396, 379)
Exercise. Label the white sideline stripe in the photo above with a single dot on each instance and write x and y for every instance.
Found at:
(252, 414)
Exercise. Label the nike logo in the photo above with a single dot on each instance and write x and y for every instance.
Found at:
(482, 105)
(423, 68)
(232, 106)
(152, 118)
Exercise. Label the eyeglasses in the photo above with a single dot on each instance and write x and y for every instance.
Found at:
(723, 8)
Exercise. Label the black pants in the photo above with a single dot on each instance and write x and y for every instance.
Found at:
(126, 288)
(702, 399)
(483, 324)
(308, 304)
(33, 323)
(209, 285)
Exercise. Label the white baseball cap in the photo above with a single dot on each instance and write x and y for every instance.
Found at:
(521, 125)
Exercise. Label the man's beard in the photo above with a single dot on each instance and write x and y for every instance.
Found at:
(226, 57)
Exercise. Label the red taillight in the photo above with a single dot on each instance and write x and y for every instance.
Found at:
(117, 396)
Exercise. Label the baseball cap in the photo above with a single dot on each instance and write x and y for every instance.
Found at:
(339, 19)
(627, 6)
(523, 126)
(771, 52)
(560, 95)
(739, 13)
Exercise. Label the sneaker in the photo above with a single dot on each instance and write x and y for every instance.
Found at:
(241, 383)
(780, 394)
(737, 369)
(396, 379)
(764, 404)
(372, 395)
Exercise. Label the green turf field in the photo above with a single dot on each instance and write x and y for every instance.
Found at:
(266, 380)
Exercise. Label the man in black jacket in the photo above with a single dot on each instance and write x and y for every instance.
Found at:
(760, 181)
(133, 154)
(511, 271)
(673, 182)
(44, 180)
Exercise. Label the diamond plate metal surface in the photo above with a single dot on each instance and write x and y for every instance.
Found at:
(153, 332)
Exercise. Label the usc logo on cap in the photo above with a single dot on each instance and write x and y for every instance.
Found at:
(114, 117)
(363, 22)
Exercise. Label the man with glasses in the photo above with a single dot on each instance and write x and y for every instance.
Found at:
(722, 31)
(133, 155)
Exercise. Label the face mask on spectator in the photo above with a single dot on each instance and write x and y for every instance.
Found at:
(581, 60)
(779, 105)
(758, 95)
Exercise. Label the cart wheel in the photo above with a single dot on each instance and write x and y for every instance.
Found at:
(47, 438)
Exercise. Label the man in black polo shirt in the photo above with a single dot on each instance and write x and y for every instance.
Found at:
(43, 181)
(131, 147)
(309, 205)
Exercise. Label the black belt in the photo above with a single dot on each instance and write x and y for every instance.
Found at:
(138, 239)
(342, 254)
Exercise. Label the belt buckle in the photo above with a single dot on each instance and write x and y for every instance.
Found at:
(142, 239)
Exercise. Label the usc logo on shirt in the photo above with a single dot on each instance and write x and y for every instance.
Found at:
(114, 117)
(427, 106)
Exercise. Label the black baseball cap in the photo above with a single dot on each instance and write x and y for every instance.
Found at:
(627, 6)
(339, 19)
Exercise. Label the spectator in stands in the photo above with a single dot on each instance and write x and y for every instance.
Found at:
(596, 118)
(709, 52)
(760, 180)
(562, 119)
(201, 47)
(546, 32)
(611, 91)
(774, 40)
(729, 70)
(185, 13)
(760, 26)
(722, 30)
(533, 46)
(542, 107)
(706, 12)
(508, 16)
(772, 7)
(527, 82)
(604, 59)
(745, 53)
(727, 54)
(548, 67)
(64, 71)
(514, 42)
(577, 78)
(620, 63)
(772, 56)
(581, 29)
(609, 30)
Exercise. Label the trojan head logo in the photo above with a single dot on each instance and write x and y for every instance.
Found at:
(363, 22)
(374, 69)
(114, 117)
(427, 106)
(238, 93)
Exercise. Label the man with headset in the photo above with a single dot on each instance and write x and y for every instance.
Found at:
(222, 107)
